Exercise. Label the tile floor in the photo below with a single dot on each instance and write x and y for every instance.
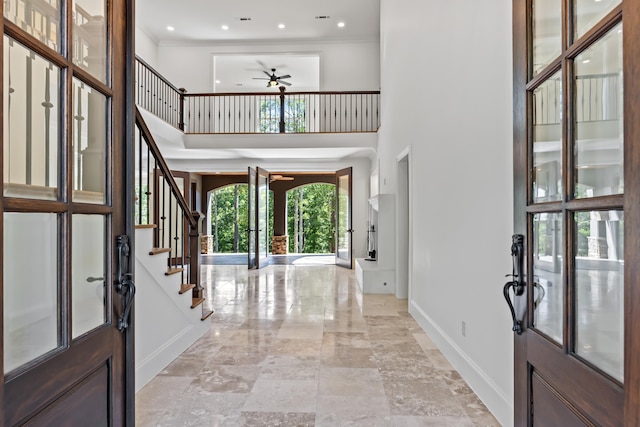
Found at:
(299, 345)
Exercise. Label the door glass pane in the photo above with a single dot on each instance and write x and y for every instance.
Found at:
(548, 261)
(599, 150)
(342, 250)
(263, 213)
(547, 32)
(89, 144)
(40, 18)
(31, 132)
(599, 289)
(88, 273)
(31, 323)
(587, 13)
(547, 140)
(251, 208)
(90, 37)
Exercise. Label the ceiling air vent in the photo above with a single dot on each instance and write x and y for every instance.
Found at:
(323, 17)
(245, 19)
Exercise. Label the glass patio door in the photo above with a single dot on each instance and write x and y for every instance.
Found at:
(344, 232)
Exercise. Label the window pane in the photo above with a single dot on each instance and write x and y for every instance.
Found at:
(587, 13)
(30, 294)
(31, 133)
(89, 143)
(548, 261)
(88, 273)
(90, 37)
(547, 140)
(40, 18)
(547, 32)
(343, 218)
(263, 207)
(599, 150)
(599, 289)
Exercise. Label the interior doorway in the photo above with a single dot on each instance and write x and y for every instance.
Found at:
(403, 225)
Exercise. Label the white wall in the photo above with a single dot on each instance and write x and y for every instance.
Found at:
(446, 91)
(348, 66)
(146, 48)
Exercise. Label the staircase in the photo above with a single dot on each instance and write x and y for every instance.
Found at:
(170, 312)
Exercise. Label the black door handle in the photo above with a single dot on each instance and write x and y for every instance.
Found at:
(125, 285)
(518, 283)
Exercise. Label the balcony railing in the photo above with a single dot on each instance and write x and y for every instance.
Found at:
(233, 113)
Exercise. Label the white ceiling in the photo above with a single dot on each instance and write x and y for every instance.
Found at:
(202, 21)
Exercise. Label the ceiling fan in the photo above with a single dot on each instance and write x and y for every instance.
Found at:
(273, 79)
(275, 177)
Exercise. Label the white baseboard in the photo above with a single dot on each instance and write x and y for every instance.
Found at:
(153, 364)
(494, 399)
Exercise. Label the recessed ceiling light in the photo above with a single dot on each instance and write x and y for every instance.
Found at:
(586, 61)
(217, 82)
(170, 28)
(340, 24)
(225, 27)
(281, 26)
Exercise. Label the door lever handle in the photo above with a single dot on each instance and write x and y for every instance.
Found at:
(517, 324)
(128, 290)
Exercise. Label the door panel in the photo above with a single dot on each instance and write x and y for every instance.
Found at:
(262, 217)
(556, 411)
(86, 403)
(67, 194)
(252, 207)
(571, 147)
(344, 232)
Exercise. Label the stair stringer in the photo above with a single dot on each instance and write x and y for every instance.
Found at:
(165, 324)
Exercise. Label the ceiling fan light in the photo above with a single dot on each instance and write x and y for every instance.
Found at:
(272, 83)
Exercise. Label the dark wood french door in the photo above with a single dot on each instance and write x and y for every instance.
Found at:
(252, 208)
(67, 200)
(344, 231)
(258, 212)
(576, 247)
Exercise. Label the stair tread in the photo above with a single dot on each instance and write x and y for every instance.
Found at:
(143, 226)
(196, 302)
(186, 287)
(206, 314)
(171, 271)
(157, 251)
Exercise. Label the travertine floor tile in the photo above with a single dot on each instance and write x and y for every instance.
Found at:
(302, 346)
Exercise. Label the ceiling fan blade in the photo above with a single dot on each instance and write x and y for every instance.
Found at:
(284, 83)
(267, 73)
(262, 64)
(286, 76)
(259, 78)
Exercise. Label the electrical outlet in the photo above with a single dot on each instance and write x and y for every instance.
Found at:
(464, 328)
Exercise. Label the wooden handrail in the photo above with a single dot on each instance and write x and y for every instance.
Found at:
(164, 168)
(352, 92)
